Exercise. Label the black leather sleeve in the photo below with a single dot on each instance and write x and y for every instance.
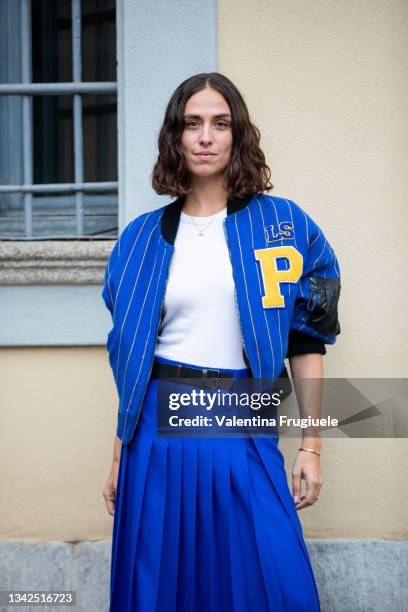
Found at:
(322, 305)
(300, 344)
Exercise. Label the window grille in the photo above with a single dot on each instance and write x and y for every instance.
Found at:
(42, 120)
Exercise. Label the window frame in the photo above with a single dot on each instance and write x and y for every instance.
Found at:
(27, 89)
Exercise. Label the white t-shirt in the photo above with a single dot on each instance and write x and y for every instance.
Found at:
(200, 324)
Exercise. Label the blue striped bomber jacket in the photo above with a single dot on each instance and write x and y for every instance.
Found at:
(287, 287)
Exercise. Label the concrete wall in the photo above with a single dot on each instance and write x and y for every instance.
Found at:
(58, 422)
(346, 573)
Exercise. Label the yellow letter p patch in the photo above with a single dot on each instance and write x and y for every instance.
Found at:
(272, 277)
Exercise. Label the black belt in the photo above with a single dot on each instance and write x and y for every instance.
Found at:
(168, 370)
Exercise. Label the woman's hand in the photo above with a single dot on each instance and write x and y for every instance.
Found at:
(109, 491)
(306, 466)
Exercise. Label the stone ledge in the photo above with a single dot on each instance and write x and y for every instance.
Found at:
(351, 575)
(54, 262)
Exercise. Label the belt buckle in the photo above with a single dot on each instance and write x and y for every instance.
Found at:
(207, 373)
(212, 375)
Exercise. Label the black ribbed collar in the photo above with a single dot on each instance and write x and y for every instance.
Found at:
(171, 216)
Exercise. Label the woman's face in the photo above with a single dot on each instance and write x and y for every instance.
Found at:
(207, 136)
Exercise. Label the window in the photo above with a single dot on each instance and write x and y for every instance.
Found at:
(58, 119)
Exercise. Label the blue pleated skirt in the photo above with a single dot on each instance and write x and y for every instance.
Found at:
(206, 524)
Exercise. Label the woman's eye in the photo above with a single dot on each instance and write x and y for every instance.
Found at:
(193, 124)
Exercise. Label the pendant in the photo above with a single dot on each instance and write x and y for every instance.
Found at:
(200, 234)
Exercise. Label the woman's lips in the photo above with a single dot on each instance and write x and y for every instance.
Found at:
(204, 156)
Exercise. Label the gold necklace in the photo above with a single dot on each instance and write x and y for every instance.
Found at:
(200, 229)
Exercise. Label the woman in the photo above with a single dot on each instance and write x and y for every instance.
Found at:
(223, 283)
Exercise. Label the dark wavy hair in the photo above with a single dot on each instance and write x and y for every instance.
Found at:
(246, 173)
